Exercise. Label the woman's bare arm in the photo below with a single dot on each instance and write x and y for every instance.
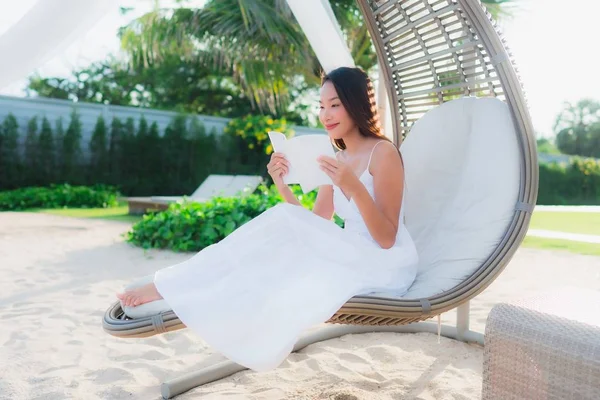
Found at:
(382, 213)
(324, 203)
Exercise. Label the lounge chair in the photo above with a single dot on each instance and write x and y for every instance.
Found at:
(460, 116)
(218, 185)
(213, 185)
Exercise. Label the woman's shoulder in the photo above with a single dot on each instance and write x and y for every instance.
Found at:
(379, 142)
(384, 155)
(383, 148)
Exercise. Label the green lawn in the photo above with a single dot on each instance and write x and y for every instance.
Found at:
(565, 245)
(114, 213)
(588, 223)
(572, 222)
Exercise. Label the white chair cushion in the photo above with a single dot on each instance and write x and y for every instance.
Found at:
(462, 183)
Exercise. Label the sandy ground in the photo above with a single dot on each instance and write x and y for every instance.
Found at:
(58, 275)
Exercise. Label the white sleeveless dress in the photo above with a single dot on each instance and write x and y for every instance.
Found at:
(253, 294)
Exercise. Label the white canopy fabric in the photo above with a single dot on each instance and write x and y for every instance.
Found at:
(50, 26)
(323, 32)
(45, 30)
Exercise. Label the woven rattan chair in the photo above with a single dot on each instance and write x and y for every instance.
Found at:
(441, 59)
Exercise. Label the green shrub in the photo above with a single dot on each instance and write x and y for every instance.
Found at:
(576, 183)
(58, 196)
(10, 159)
(47, 154)
(254, 130)
(189, 226)
(99, 161)
(71, 156)
(32, 156)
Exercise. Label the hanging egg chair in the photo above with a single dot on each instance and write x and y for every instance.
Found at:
(460, 119)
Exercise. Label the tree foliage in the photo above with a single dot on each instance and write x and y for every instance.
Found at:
(258, 44)
(229, 58)
(577, 128)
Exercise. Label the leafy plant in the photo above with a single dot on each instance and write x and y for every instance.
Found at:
(254, 130)
(58, 196)
(190, 226)
(575, 183)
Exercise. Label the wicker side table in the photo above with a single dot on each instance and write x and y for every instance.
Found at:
(544, 347)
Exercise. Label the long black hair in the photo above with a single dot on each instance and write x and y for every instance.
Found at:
(355, 90)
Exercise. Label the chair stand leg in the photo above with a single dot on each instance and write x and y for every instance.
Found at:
(463, 333)
(224, 369)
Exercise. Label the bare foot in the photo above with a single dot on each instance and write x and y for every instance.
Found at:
(140, 295)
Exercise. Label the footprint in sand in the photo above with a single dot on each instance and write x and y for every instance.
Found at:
(15, 337)
(96, 314)
(27, 312)
(158, 372)
(353, 358)
(152, 341)
(381, 353)
(343, 396)
(153, 355)
(114, 393)
(297, 357)
(67, 317)
(45, 381)
(50, 395)
(313, 364)
(22, 304)
(73, 384)
(109, 375)
(81, 292)
(58, 368)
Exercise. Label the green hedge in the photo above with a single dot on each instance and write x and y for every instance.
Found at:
(192, 226)
(58, 196)
(133, 156)
(576, 183)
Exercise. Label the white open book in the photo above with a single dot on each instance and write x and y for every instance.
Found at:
(302, 153)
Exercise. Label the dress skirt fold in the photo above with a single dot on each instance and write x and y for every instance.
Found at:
(253, 294)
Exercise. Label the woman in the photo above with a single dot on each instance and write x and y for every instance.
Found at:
(251, 295)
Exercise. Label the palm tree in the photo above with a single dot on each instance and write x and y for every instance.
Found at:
(258, 42)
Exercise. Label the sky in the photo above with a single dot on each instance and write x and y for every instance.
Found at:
(552, 42)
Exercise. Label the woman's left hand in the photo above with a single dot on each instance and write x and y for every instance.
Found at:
(341, 174)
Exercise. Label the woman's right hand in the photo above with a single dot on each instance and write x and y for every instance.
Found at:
(278, 167)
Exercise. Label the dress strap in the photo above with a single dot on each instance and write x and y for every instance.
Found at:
(371, 156)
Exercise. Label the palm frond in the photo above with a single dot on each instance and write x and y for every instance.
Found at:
(501, 9)
(258, 42)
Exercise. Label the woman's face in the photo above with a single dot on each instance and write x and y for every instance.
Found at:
(333, 115)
